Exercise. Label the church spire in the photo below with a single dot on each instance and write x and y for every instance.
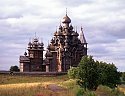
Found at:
(82, 37)
(35, 34)
(66, 11)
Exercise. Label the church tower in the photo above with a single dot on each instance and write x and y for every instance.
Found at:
(33, 61)
(65, 49)
(35, 52)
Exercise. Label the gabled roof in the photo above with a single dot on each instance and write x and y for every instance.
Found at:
(24, 59)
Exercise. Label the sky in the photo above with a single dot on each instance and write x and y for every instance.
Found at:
(103, 22)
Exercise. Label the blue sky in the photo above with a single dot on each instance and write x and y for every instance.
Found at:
(103, 22)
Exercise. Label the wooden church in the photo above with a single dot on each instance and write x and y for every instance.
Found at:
(64, 51)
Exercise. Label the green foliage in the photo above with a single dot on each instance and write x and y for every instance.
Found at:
(82, 92)
(123, 76)
(90, 74)
(79, 92)
(14, 68)
(108, 74)
(73, 72)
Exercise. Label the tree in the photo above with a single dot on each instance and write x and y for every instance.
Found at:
(88, 73)
(14, 68)
(123, 76)
(108, 74)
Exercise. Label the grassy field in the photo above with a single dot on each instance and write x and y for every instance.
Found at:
(10, 79)
(32, 86)
(49, 86)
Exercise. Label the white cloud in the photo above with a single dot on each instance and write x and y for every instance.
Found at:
(103, 22)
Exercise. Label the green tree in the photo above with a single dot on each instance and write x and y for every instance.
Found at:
(123, 76)
(108, 74)
(88, 73)
(14, 68)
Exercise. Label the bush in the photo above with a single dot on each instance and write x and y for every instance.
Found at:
(14, 69)
(107, 91)
(79, 92)
(73, 72)
(83, 92)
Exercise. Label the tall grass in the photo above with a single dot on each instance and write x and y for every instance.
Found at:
(37, 86)
(104, 90)
(31, 89)
(31, 86)
(9, 79)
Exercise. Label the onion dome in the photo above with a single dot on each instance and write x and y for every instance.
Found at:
(29, 44)
(25, 53)
(55, 33)
(79, 42)
(75, 34)
(35, 40)
(60, 27)
(40, 44)
(66, 19)
(52, 40)
(48, 54)
(71, 27)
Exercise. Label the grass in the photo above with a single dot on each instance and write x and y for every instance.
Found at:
(30, 90)
(69, 84)
(38, 86)
(106, 91)
(31, 86)
(9, 79)
(122, 88)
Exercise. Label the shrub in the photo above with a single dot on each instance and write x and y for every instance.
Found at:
(82, 92)
(73, 72)
(14, 68)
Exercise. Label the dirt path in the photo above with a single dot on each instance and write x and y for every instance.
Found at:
(55, 88)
